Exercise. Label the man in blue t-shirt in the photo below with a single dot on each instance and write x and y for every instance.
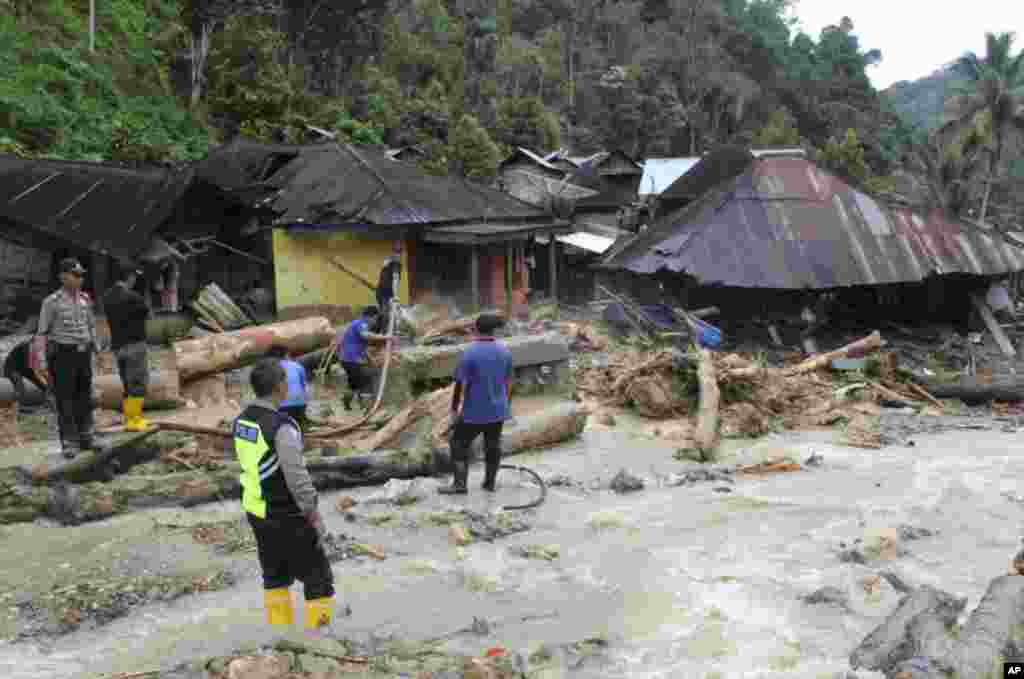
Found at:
(295, 405)
(483, 385)
(352, 353)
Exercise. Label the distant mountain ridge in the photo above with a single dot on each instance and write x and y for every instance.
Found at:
(920, 102)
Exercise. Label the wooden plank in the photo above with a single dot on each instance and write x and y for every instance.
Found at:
(993, 325)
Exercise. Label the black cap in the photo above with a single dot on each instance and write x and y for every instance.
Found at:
(488, 323)
(71, 265)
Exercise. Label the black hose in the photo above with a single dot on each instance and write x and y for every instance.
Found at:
(540, 482)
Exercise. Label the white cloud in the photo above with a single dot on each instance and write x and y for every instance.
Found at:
(916, 37)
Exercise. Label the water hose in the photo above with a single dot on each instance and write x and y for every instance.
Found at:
(540, 482)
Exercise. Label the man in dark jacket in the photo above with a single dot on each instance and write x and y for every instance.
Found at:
(280, 502)
(390, 276)
(18, 368)
(127, 313)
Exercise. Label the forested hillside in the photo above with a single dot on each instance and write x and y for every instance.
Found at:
(458, 77)
(920, 102)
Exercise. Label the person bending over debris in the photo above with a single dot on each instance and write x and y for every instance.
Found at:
(484, 375)
(280, 503)
(67, 332)
(18, 368)
(127, 313)
(295, 405)
(352, 351)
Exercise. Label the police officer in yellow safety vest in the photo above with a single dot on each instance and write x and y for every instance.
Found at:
(281, 503)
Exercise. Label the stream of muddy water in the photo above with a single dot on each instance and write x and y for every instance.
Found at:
(702, 580)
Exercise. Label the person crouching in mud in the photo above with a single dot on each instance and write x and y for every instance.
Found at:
(280, 503)
(483, 376)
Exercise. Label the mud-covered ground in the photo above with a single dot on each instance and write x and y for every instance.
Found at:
(696, 574)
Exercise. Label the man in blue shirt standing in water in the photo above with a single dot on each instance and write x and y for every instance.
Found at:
(483, 387)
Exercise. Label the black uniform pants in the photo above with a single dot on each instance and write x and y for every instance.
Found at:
(463, 435)
(71, 376)
(360, 376)
(288, 551)
(384, 304)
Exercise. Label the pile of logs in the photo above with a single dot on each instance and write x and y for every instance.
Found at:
(218, 311)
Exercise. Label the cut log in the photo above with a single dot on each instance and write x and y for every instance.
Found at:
(557, 424)
(162, 391)
(33, 395)
(134, 446)
(706, 433)
(973, 392)
(218, 353)
(861, 347)
(920, 640)
(435, 404)
(211, 390)
(460, 326)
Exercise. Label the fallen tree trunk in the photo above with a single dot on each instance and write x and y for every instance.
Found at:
(7, 397)
(134, 447)
(919, 639)
(706, 434)
(226, 351)
(161, 392)
(973, 392)
(21, 500)
(560, 423)
(861, 347)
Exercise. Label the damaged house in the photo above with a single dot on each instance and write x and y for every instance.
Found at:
(337, 212)
(97, 212)
(597, 194)
(777, 237)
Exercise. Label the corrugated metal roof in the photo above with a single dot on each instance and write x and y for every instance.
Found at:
(96, 206)
(660, 173)
(786, 223)
(587, 241)
(536, 158)
(337, 184)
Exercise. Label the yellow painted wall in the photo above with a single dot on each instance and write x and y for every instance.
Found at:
(304, 275)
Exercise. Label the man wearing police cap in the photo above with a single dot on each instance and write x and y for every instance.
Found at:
(67, 333)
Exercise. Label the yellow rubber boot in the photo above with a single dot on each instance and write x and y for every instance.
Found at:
(278, 604)
(319, 613)
(134, 421)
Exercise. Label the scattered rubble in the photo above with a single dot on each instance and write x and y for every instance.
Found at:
(828, 596)
(625, 482)
(543, 552)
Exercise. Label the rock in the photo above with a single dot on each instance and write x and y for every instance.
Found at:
(314, 664)
(398, 492)
(815, 460)
(828, 595)
(624, 482)
(258, 667)
(345, 503)
(852, 556)
(907, 533)
(458, 535)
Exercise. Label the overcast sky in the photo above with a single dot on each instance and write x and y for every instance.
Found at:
(916, 36)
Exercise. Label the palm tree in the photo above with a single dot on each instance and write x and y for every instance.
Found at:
(994, 89)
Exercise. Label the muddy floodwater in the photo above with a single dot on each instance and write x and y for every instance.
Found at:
(700, 580)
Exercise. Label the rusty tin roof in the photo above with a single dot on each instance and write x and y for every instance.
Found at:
(785, 223)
